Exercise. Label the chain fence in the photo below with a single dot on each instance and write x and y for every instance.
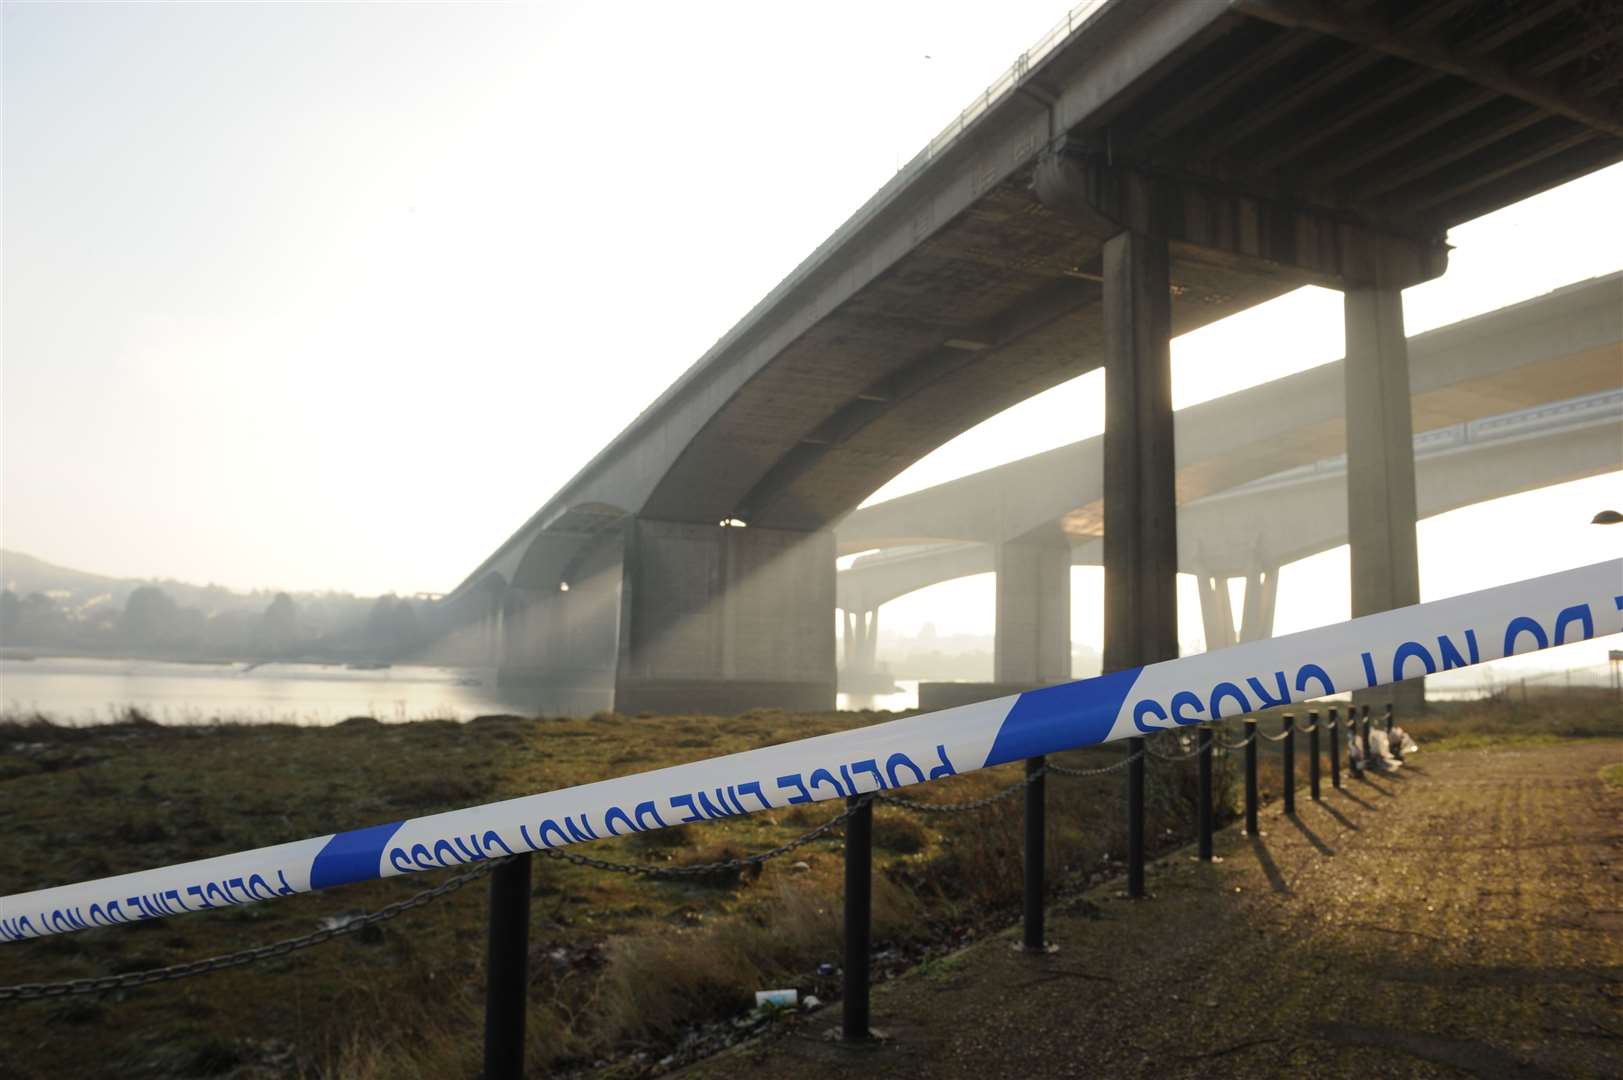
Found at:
(1101, 771)
(103, 983)
(974, 804)
(355, 924)
(1185, 756)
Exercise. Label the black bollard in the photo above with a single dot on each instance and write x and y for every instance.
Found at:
(1335, 749)
(1135, 819)
(1368, 761)
(858, 918)
(1036, 833)
(507, 977)
(1391, 747)
(1313, 755)
(1290, 765)
(1205, 807)
(1250, 777)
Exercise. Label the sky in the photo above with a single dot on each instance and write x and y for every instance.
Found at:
(335, 296)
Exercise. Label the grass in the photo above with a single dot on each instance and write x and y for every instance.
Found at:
(620, 966)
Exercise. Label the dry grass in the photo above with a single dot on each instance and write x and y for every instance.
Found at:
(617, 962)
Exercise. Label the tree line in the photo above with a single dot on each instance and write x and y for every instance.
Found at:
(152, 624)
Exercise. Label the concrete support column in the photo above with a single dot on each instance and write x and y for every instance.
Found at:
(1140, 503)
(1140, 506)
(861, 642)
(1257, 617)
(559, 630)
(1216, 611)
(718, 619)
(1033, 642)
(485, 643)
(1380, 468)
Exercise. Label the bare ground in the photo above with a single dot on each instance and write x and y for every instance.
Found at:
(1461, 918)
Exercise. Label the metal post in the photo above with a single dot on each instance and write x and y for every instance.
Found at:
(1368, 761)
(1250, 777)
(1313, 754)
(858, 917)
(1391, 748)
(1036, 834)
(1290, 765)
(1135, 818)
(507, 977)
(1205, 809)
(1335, 749)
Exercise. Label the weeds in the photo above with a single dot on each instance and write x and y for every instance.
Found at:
(618, 963)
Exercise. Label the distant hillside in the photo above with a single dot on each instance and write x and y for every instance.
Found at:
(56, 610)
(24, 574)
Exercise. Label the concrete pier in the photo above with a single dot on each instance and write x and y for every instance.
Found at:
(1216, 611)
(1381, 511)
(1033, 642)
(861, 643)
(1140, 505)
(719, 619)
(1257, 614)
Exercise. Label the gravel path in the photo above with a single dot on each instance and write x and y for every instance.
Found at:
(1463, 917)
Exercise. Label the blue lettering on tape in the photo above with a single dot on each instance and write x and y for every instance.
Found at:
(1577, 613)
(1227, 691)
(1411, 650)
(1524, 624)
(1314, 671)
(352, 856)
(1451, 652)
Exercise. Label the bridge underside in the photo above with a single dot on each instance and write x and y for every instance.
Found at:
(1169, 163)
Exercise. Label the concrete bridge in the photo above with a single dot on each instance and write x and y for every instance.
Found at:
(1250, 531)
(1045, 511)
(1149, 167)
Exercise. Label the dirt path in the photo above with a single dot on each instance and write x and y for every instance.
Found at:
(1463, 917)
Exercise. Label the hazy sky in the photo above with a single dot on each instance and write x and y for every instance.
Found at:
(337, 295)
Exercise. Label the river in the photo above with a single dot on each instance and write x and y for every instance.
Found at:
(87, 691)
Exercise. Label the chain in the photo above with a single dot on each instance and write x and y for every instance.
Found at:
(705, 869)
(1241, 745)
(99, 984)
(1121, 764)
(966, 807)
(1274, 738)
(1173, 757)
(27, 991)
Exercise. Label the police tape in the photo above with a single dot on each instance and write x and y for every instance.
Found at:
(1366, 652)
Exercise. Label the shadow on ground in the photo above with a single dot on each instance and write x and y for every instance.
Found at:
(1461, 921)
